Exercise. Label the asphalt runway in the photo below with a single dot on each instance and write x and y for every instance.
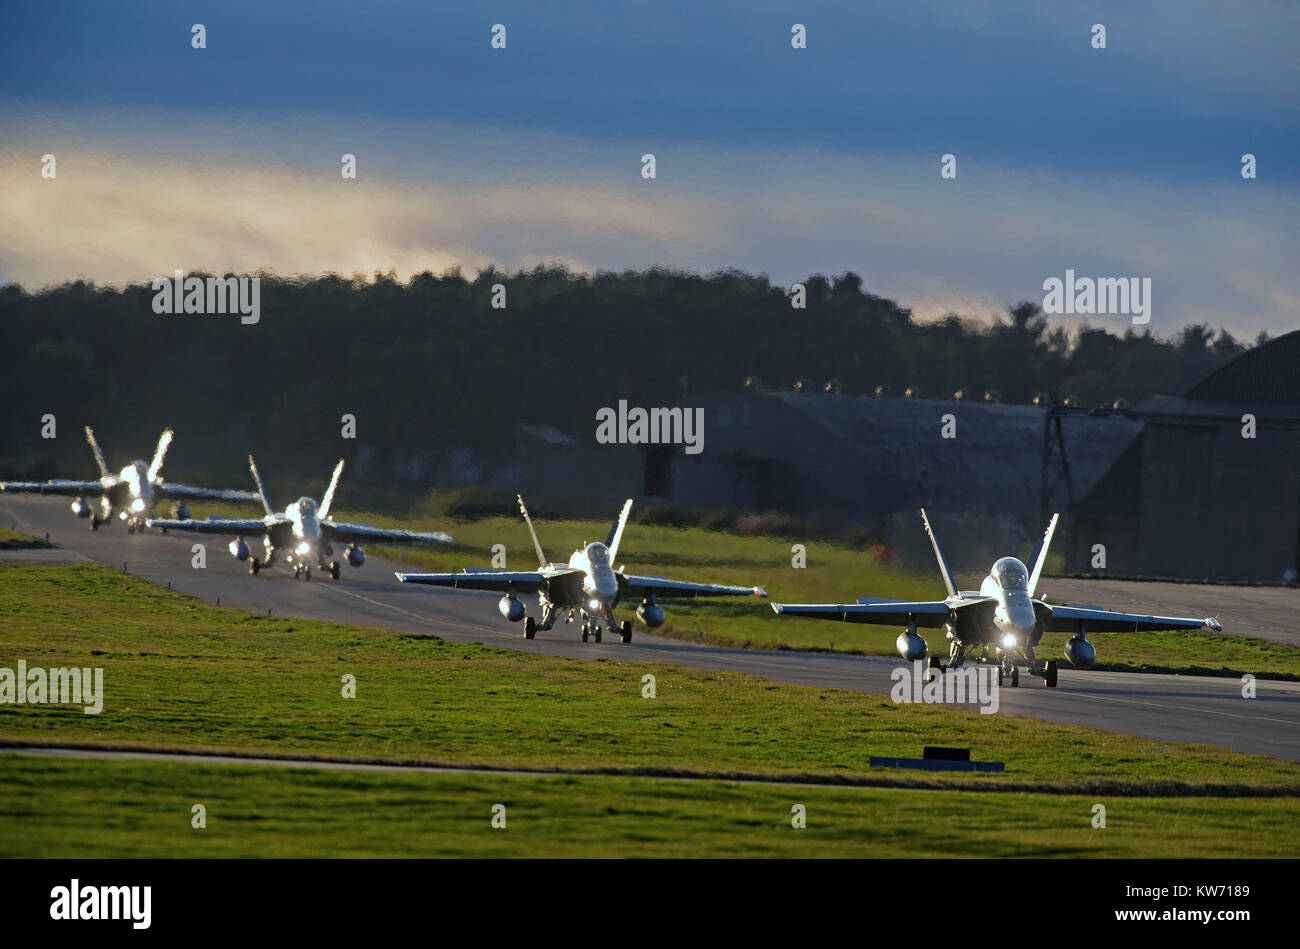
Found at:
(1165, 707)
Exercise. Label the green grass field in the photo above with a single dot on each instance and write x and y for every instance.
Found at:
(16, 540)
(182, 675)
(61, 808)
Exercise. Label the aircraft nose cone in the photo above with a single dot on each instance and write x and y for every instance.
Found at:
(602, 585)
(1022, 617)
(1017, 616)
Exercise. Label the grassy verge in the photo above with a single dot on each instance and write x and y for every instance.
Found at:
(60, 808)
(180, 674)
(16, 540)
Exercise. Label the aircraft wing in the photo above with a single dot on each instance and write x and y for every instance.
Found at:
(356, 533)
(931, 613)
(170, 489)
(57, 486)
(231, 526)
(675, 589)
(1065, 619)
(502, 581)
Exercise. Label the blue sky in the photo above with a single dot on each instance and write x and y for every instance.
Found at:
(819, 159)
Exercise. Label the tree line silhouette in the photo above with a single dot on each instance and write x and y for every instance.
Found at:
(437, 378)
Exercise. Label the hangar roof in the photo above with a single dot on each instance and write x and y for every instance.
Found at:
(1267, 373)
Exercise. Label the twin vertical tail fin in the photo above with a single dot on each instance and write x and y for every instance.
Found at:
(1042, 554)
(94, 450)
(616, 531)
(537, 545)
(943, 564)
(261, 488)
(164, 442)
(328, 498)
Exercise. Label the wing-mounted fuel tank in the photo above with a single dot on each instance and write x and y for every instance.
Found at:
(511, 608)
(1081, 653)
(238, 549)
(356, 556)
(651, 613)
(911, 645)
(82, 508)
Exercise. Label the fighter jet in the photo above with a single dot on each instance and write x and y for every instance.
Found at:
(588, 586)
(1003, 615)
(304, 535)
(133, 493)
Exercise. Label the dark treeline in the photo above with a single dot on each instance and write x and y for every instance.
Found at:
(437, 378)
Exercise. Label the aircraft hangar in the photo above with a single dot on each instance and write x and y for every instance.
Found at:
(1210, 489)
(1171, 488)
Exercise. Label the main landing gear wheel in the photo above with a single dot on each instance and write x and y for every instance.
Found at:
(1049, 674)
(94, 523)
(1015, 677)
(254, 567)
(586, 632)
(626, 634)
(334, 569)
(530, 627)
(596, 633)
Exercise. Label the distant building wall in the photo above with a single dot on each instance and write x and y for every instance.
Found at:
(1217, 505)
(1211, 504)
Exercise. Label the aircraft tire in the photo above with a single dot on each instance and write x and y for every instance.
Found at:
(1015, 677)
(334, 569)
(626, 635)
(597, 634)
(1049, 674)
(585, 634)
(530, 627)
(254, 567)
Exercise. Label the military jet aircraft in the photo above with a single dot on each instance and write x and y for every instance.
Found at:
(1002, 615)
(304, 535)
(133, 492)
(588, 586)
